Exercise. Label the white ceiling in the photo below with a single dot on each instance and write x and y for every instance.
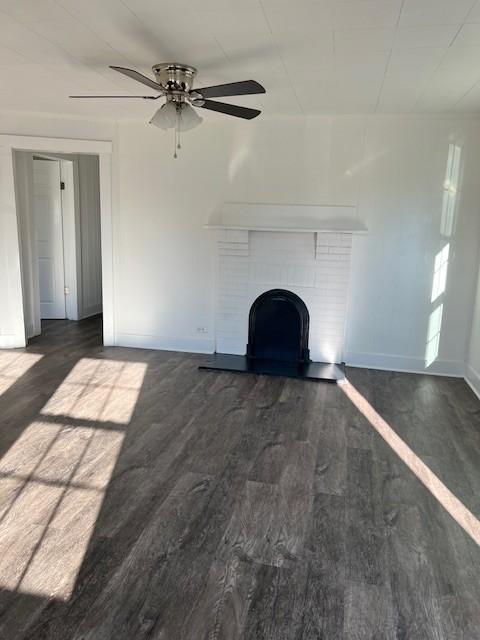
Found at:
(313, 56)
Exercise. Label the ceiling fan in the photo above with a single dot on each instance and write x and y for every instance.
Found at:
(175, 82)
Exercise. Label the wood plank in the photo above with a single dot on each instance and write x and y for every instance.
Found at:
(277, 603)
(365, 539)
(294, 504)
(331, 460)
(222, 608)
(368, 613)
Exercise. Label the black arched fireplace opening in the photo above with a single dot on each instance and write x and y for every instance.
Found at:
(278, 327)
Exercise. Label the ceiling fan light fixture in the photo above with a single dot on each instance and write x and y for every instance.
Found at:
(166, 117)
(176, 115)
(188, 118)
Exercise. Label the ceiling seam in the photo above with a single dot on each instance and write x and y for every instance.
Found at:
(464, 22)
(48, 68)
(422, 93)
(389, 58)
(281, 57)
(97, 35)
(87, 26)
(474, 86)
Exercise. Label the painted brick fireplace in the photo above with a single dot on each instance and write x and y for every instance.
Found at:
(303, 249)
(315, 266)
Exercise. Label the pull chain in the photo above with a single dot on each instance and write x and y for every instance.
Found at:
(178, 127)
(177, 131)
(175, 144)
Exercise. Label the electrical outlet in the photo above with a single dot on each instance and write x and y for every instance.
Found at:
(202, 330)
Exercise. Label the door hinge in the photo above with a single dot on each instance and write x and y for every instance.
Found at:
(62, 185)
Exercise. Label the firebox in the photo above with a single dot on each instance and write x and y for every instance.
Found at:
(278, 328)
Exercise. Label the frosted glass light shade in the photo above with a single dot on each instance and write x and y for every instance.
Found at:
(189, 118)
(172, 115)
(166, 117)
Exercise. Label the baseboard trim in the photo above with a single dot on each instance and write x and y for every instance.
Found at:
(11, 341)
(163, 343)
(381, 361)
(405, 364)
(472, 378)
(90, 311)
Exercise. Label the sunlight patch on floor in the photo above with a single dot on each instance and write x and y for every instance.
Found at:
(105, 390)
(54, 477)
(445, 497)
(13, 365)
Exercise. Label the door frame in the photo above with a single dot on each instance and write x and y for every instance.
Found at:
(12, 329)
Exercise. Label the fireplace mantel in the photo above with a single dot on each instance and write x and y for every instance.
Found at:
(287, 218)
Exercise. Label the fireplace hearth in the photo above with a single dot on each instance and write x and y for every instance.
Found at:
(278, 330)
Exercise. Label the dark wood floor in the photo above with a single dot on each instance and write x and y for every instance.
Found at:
(142, 498)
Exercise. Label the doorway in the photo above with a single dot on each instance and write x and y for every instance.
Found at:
(16, 294)
(58, 208)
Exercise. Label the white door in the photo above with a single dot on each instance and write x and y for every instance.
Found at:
(47, 210)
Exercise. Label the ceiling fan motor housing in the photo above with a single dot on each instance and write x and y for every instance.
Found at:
(174, 77)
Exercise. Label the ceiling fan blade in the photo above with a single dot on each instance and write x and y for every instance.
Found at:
(230, 109)
(247, 87)
(142, 97)
(131, 73)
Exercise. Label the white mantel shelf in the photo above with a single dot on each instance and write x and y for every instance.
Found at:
(303, 229)
(287, 218)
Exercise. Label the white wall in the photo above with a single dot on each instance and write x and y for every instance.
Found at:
(23, 168)
(393, 169)
(12, 328)
(90, 238)
(473, 359)
(402, 201)
(53, 126)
